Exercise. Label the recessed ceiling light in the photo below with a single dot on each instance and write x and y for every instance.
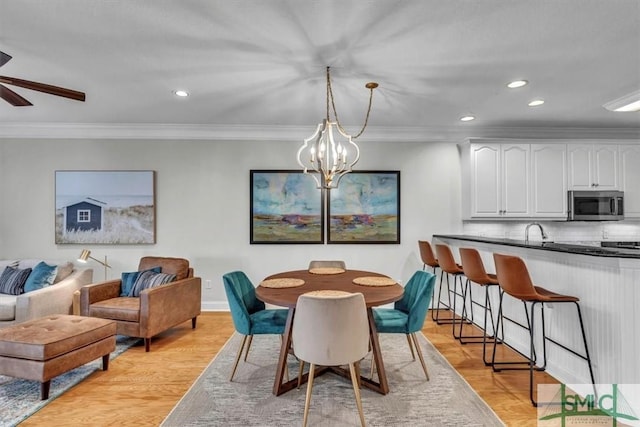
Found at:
(181, 93)
(625, 104)
(467, 118)
(536, 102)
(517, 83)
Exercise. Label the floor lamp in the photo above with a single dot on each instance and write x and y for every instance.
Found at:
(86, 254)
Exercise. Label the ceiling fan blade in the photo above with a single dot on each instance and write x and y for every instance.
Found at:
(13, 98)
(4, 58)
(41, 87)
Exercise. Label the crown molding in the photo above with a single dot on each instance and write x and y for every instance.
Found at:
(214, 133)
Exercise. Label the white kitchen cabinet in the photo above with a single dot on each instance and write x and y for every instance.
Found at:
(630, 179)
(593, 166)
(549, 180)
(499, 180)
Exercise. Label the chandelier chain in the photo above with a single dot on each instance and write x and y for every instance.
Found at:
(333, 106)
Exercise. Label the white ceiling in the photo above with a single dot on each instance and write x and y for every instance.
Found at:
(258, 67)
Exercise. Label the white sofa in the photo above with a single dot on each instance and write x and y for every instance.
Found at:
(54, 299)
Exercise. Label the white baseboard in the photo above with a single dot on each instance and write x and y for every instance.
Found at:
(215, 306)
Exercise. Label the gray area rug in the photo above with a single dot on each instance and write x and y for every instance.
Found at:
(445, 400)
(19, 399)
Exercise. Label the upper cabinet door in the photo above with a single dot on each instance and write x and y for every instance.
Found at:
(630, 179)
(593, 166)
(549, 180)
(515, 180)
(485, 180)
(605, 158)
(580, 166)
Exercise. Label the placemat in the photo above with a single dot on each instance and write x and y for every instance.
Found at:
(328, 293)
(326, 270)
(282, 282)
(374, 281)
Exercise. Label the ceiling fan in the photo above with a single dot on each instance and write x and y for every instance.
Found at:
(18, 101)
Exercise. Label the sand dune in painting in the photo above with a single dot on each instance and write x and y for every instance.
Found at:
(364, 228)
(287, 228)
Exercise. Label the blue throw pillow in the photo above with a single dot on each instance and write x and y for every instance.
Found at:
(12, 280)
(149, 279)
(129, 279)
(41, 276)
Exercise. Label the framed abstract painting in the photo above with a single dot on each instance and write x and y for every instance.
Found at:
(365, 208)
(286, 207)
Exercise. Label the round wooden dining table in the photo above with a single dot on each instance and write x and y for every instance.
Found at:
(288, 297)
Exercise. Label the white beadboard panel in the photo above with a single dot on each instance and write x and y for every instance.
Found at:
(609, 295)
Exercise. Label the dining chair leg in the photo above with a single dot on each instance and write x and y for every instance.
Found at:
(356, 390)
(246, 353)
(307, 400)
(300, 373)
(235, 365)
(419, 351)
(357, 364)
(413, 355)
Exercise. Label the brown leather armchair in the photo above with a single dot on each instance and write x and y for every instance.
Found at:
(155, 310)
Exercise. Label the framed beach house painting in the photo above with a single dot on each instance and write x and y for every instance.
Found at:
(286, 207)
(365, 208)
(105, 207)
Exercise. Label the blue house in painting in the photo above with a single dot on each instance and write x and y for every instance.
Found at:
(85, 215)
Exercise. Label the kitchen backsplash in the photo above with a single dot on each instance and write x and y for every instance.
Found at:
(584, 232)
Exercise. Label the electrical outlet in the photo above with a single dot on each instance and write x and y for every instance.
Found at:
(605, 234)
(207, 284)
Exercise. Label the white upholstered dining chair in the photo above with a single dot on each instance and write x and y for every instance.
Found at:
(331, 329)
(327, 264)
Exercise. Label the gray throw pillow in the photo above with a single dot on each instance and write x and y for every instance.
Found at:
(149, 279)
(12, 280)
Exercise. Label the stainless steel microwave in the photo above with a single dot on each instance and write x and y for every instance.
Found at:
(596, 205)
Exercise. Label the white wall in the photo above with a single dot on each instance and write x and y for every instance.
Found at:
(203, 204)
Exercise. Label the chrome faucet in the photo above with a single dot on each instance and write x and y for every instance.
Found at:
(526, 231)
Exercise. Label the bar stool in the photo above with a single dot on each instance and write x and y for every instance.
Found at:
(448, 265)
(515, 280)
(475, 272)
(429, 259)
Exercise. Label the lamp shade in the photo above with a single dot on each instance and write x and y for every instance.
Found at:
(84, 255)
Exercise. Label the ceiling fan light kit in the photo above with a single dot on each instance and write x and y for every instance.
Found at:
(18, 101)
(326, 156)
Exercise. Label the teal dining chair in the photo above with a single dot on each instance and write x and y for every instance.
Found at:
(408, 314)
(250, 317)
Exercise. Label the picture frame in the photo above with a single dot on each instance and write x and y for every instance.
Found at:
(105, 207)
(286, 207)
(365, 208)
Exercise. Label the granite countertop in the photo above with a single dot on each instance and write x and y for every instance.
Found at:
(566, 247)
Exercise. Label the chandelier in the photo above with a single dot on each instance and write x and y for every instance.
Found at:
(330, 152)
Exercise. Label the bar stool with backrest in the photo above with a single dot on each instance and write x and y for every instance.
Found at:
(475, 272)
(515, 281)
(448, 265)
(429, 259)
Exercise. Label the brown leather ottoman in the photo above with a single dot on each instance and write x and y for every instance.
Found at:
(44, 348)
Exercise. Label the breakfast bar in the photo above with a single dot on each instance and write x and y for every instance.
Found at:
(606, 281)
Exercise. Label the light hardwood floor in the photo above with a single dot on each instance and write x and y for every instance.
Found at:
(140, 389)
